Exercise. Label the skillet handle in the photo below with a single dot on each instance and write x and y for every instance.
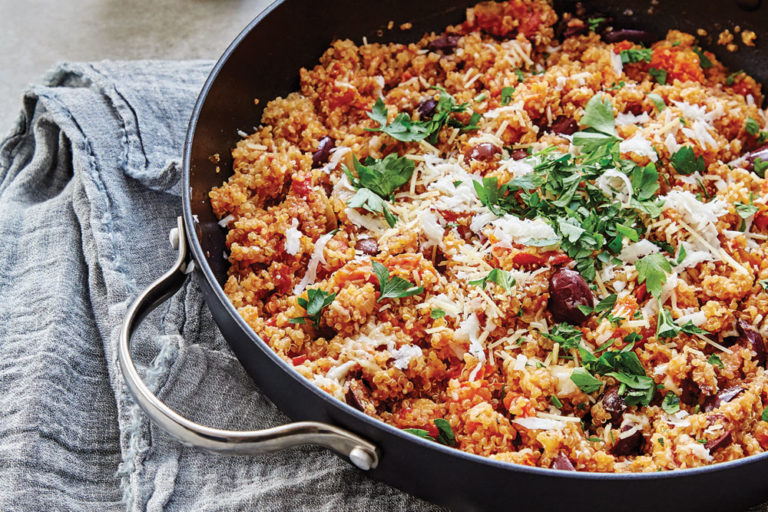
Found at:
(359, 451)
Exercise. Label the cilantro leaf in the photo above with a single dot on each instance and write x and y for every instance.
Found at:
(585, 381)
(598, 115)
(671, 403)
(499, 276)
(314, 304)
(635, 55)
(506, 95)
(752, 126)
(658, 101)
(419, 432)
(660, 75)
(437, 313)
(395, 287)
(652, 270)
(686, 162)
(704, 61)
(715, 360)
(445, 432)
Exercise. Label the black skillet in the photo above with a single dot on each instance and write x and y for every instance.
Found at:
(263, 62)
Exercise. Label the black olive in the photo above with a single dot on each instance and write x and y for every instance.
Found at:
(629, 445)
(614, 404)
(519, 154)
(721, 442)
(567, 291)
(564, 125)
(323, 152)
(629, 34)
(723, 397)
(367, 246)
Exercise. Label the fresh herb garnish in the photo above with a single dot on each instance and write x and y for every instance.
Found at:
(764, 416)
(763, 284)
(704, 61)
(605, 305)
(499, 276)
(594, 23)
(671, 403)
(406, 130)
(635, 55)
(681, 254)
(760, 165)
(747, 210)
(598, 115)
(506, 95)
(660, 75)
(565, 334)
(520, 75)
(377, 181)
(394, 287)
(445, 432)
(715, 360)
(686, 162)
(730, 79)
(658, 101)
(636, 388)
(314, 304)
(419, 432)
(752, 127)
(665, 325)
(652, 270)
(555, 401)
(585, 381)
(436, 313)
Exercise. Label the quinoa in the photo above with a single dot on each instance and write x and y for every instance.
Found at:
(447, 304)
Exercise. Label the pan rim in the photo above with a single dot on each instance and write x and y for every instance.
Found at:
(202, 265)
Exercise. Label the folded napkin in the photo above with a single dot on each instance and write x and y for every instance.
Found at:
(89, 189)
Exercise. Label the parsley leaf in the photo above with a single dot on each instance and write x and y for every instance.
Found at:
(499, 276)
(658, 101)
(681, 254)
(585, 381)
(566, 335)
(635, 55)
(488, 194)
(715, 360)
(598, 115)
(370, 202)
(314, 304)
(730, 79)
(660, 75)
(645, 182)
(555, 401)
(437, 313)
(445, 432)
(704, 61)
(752, 126)
(665, 326)
(745, 211)
(764, 416)
(395, 287)
(652, 270)
(594, 23)
(760, 165)
(506, 95)
(671, 403)
(764, 284)
(686, 162)
(419, 432)
(377, 181)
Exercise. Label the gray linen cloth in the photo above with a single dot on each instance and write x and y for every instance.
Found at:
(88, 193)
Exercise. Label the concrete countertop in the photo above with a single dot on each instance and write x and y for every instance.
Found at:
(36, 34)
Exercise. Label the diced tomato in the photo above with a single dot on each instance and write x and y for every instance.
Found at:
(558, 258)
(761, 220)
(299, 359)
(762, 438)
(301, 185)
(526, 258)
(622, 45)
(282, 276)
(432, 429)
(272, 322)
(679, 63)
(641, 292)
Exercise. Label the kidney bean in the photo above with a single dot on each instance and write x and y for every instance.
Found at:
(761, 153)
(631, 444)
(446, 43)
(689, 392)
(323, 152)
(519, 154)
(426, 108)
(367, 246)
(483, 152)
(629, 34)
(720, 442)
(752, 339)
(563, 463)
(564, 125)
(723, 397)
(614, 404)
(567, 291)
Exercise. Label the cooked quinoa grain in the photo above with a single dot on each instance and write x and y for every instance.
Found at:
(549, 252)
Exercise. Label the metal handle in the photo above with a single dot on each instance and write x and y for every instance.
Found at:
(359, 451)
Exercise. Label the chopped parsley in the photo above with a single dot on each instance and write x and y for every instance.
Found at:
(704, 61)
(747, 210)
(377, 181)
(598, 115)
(686, 162)
(671, 403)
(635, 387)
(506, 95)
(764, 416)
(715, 360)
(635, 55)
(752, 126)
(499, 276)
(437, 313)
(660, 75)
(652, 270)
(658, 101)
(394, 287)
(764, 284)
(520, 75)
(480, 97)
(565, 334)
(667, 328)
(419, 432)
(594, 23)
(406, 130)
(730, 79)
(605, 305)
(314, 304)
(555, 401)
(760, 165)
(585, 381)
(445, 433)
